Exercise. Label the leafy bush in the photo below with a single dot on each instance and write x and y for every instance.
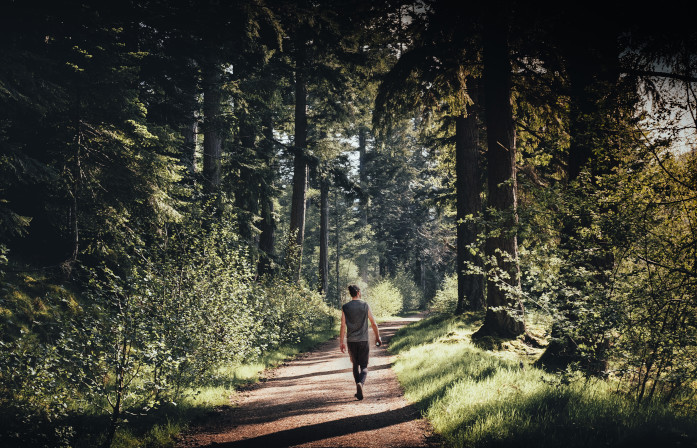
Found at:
(412, 295)
(445, 300)
(294, 311)
(33, 396)
(619, 281)
(384, 299)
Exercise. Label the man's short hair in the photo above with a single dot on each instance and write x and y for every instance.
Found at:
(354, 290)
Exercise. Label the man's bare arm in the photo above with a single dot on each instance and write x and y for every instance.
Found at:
(374, 325)
(342, 333)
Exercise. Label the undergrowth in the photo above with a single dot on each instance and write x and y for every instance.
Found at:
(476, 397)
(163, 426)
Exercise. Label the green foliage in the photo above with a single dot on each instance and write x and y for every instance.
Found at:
(617, 287)
(33, 361)
(33, 399)
(391, 296)
(412, 295)
(294, 312)
(337, 293)
(653, 274)
(384, 298)
(125, 289)
(445, 300)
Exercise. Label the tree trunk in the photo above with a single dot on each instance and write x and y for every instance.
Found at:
(470, 287)
(362, 171)
(382, 266)
(119, 389)
(247, 190)
(76, 191)
(190, 132)
(422, 275)
(212, 126)
(268, 224)
(267, 236)
(324, 236)
(338, 247)
(300, 167)
(593, 69)
(505, 313)
(190, 125)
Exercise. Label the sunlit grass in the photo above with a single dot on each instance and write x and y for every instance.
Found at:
(480, 398)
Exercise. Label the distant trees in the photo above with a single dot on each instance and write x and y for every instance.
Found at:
(319, 40)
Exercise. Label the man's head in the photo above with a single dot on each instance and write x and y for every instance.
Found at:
(354, 290)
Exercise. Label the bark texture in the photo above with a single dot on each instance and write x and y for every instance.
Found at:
(505, 314)
(267, 226)
(248, 187)
(470, 287)
(362, 144)
(324, 236)
(300, 166)
(267, 236)
(212, 136)
(190, 132)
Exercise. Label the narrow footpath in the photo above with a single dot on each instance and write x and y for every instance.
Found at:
(310, 402)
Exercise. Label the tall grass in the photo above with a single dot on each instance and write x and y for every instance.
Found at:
(483, 398)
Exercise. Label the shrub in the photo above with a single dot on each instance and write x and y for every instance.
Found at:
(445, 300)
(294, 311)
(384, 299)
(412, 295)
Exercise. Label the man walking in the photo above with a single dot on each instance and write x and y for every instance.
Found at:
(354, 317)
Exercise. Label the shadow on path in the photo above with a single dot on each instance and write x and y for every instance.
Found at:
(326, 430)
(329, 372)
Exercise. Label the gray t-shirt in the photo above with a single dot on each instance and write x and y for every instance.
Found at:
(356, 312)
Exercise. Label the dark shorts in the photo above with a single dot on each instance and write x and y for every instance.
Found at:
(359, 352)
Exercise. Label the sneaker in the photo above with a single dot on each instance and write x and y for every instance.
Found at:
(359, 391)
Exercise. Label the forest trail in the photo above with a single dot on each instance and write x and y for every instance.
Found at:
(310, 402)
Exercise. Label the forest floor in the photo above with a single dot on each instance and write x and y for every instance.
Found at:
(309, 402)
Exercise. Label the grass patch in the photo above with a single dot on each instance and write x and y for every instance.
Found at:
(476, 397)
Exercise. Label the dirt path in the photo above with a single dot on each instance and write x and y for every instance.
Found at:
(309, 402)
